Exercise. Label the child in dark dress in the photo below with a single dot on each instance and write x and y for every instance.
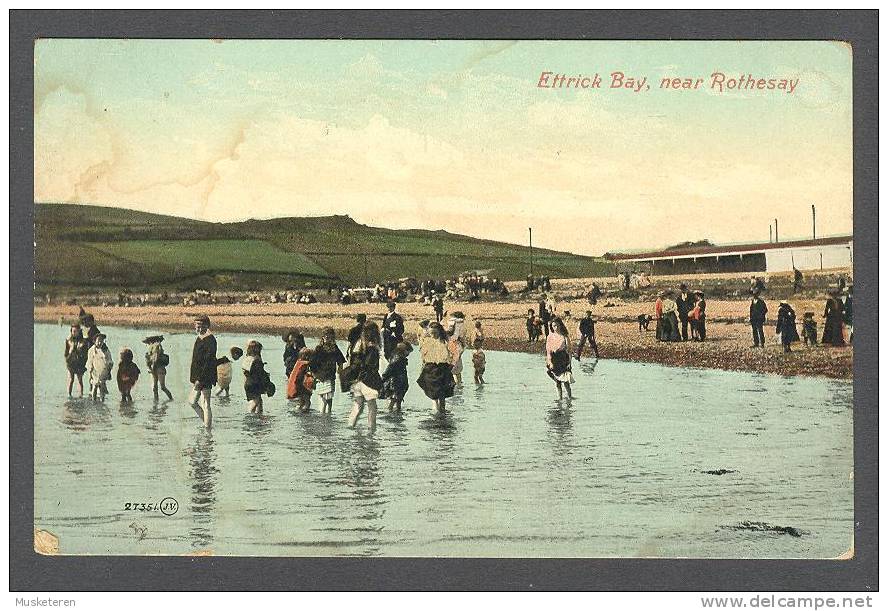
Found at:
(809, 329)
(127, 374)
(394, 378)
(326, 363)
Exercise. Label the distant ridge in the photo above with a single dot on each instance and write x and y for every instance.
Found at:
(101, 247)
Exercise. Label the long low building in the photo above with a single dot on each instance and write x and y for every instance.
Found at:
(820, 253)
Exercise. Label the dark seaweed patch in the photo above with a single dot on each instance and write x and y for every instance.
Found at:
(765, 527)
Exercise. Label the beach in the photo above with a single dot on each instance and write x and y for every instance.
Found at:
(727, 346)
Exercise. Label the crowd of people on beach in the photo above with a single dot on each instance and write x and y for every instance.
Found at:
(374, 364)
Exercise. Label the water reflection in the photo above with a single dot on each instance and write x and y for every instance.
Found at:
(156, 414)
(202, 458)
(560, 432)
(80, 414)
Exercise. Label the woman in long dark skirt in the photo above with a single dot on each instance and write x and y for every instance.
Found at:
(436, 379)
(786, 326)
(832, 329)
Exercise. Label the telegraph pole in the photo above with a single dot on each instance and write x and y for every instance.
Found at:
(776, 236)
(814, 221)
(770, 233)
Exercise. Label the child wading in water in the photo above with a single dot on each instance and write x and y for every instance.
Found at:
(256, 380)
(98, 365)
(223, 370)
(301, 381)
(479, 361)
(157, 361)
(326, 363)
(127, 374)
(76, 351)
(394, 378)
(366, 381)
(436, 379)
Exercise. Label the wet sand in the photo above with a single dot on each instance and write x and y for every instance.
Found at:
(728, 343)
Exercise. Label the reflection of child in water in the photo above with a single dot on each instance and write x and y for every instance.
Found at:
(223, 370)
(479, 360)
(127, 374)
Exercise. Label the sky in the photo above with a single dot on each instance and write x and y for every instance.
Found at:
(453, 135)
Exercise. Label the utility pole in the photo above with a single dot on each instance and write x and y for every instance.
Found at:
(776, 235)
(530, 243)
(770, 233)
(814, 221)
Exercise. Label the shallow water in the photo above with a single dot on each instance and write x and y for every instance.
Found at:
(618, 471)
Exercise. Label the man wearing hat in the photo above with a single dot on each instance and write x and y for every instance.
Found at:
(587, 334)
(684, 304)
(392, 331)
(757, 312)
(203, 369)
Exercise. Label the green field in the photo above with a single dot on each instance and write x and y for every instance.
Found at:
(92, 246)
(188, 257)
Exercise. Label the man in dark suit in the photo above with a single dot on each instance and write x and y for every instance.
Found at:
(758, 310)
(684, 305)
(392, 331)
(203, 369)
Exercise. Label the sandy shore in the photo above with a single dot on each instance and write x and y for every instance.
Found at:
(728, 344)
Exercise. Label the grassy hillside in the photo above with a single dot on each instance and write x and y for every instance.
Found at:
(92, 246)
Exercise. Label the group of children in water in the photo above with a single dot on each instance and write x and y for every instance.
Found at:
(308, 371)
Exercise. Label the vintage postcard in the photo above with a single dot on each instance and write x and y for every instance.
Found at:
(443, 298)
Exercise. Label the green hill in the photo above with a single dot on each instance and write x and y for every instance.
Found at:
(101, 247)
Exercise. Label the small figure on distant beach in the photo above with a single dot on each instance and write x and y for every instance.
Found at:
(644, 322)
(438, 306)
(847, 311)
(394, 379)
(786, 325)
(809, 329)
(98, 365)
(531, 326)
(670, 330)
(157, 361)
(224, 370)
(203, 369)
(76, 354)
(833, 333)
(586, 329)
(256, 379)
(758, 310)
(127, 375)
(479, 361)
(698, 316)
(436, 378)
(326, 364)
(558, 357)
